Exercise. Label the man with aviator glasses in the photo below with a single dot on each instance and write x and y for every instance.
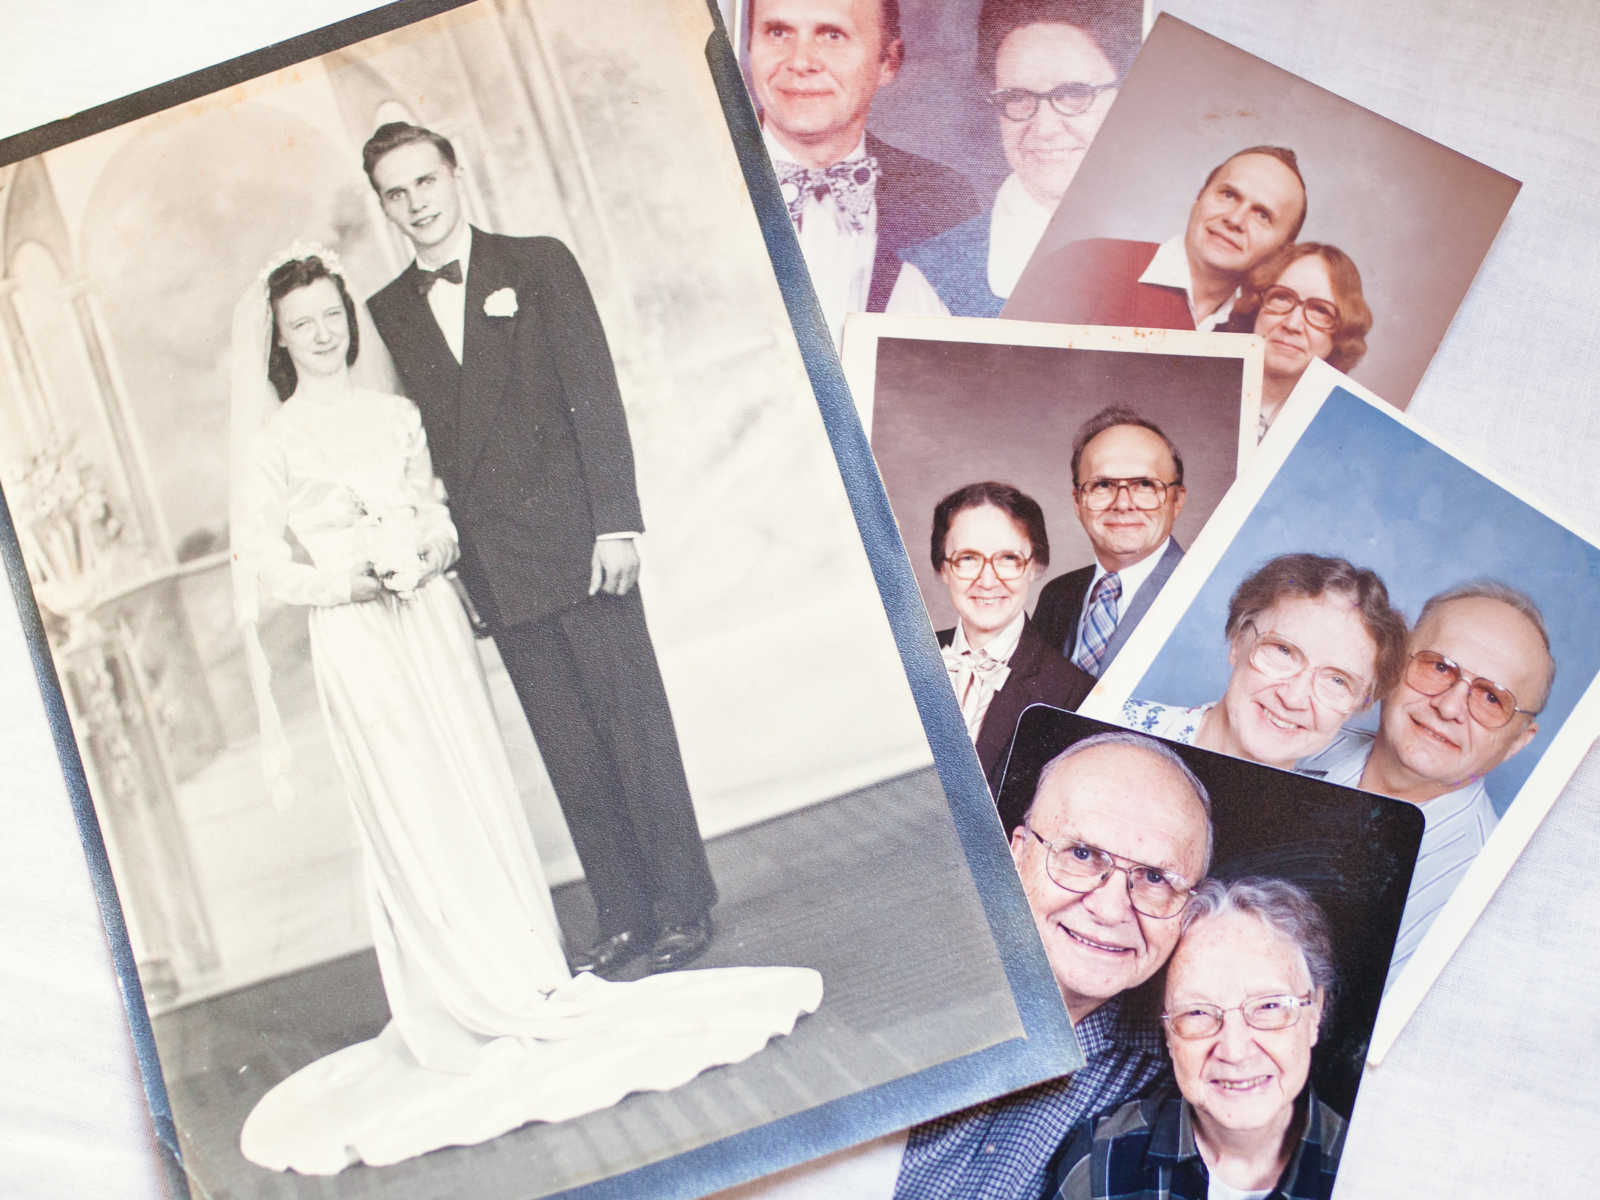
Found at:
(1479, 671)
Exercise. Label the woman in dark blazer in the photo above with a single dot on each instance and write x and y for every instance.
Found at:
(988, 546)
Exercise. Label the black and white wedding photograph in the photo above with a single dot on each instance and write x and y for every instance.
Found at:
(433, 533)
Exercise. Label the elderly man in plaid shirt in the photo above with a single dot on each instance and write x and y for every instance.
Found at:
(1117, 835)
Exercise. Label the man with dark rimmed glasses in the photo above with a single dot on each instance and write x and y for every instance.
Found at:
(1479, 671)
(1128, 490)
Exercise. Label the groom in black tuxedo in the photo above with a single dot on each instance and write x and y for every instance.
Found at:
(500, 347)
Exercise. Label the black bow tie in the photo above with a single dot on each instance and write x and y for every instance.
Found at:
(450, 273)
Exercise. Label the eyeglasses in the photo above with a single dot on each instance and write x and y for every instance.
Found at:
(1489, 704)
(1261, 1012)
(1320, 314)
(1080, 867)
(1097, 495)
(1008, 565)
(1068, 99)
(1279, 658)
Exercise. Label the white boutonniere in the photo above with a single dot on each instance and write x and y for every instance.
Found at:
(501, 303)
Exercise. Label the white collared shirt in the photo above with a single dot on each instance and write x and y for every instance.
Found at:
(975, 689)
(1016, 224)
(1170, 268)
(1131, 578)
(1000, 647)
(447, 300)
(838, 260)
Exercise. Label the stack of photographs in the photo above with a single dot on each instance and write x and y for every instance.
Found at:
(913, 652)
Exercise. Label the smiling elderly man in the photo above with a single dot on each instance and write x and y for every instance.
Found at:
(1127, 488)
(1250, 207)
(1479, 671)
(1117, 836)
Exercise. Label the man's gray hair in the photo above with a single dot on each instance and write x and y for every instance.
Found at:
(1281, 906)
(1139, 741)
(1109, 417)
(1493, 589)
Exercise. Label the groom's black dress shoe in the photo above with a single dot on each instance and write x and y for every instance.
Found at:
(609, 955)
(680, 944)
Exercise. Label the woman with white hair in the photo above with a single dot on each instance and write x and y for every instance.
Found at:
(1246, 992)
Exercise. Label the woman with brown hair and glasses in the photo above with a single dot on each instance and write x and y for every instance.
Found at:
(1312, 641)
(989, 546)
(1307, 303)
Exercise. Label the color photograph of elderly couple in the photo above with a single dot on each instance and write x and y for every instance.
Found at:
(1219, 932)
(1225, 193)
(1370, 610)
(1046, 481)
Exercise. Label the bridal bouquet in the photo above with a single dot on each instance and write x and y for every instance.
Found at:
(391, 539)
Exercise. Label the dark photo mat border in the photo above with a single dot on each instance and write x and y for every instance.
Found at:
(1354, 856)
(1048, 1040)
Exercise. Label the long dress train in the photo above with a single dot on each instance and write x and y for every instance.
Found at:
(488, 1030)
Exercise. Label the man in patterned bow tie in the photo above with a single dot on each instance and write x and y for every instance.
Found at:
(1127, 479)
(855, 200)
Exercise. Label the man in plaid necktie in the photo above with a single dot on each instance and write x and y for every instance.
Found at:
(1128, 490)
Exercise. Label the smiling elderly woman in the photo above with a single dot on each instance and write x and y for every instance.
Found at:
(1312, 640)
(989, 545)
(1246, 991)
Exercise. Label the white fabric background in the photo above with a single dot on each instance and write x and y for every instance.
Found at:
(1489, 1092)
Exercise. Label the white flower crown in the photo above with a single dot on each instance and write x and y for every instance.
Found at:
(298, 250)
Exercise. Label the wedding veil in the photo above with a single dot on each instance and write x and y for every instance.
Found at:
(252, 401)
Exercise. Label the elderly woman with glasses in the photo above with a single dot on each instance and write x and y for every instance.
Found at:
(1312, 641)
(1050, 70)
(988, 546)
(1307, 303)
(1246, 992)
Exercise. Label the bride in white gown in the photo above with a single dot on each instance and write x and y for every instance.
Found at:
(488, 1030)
